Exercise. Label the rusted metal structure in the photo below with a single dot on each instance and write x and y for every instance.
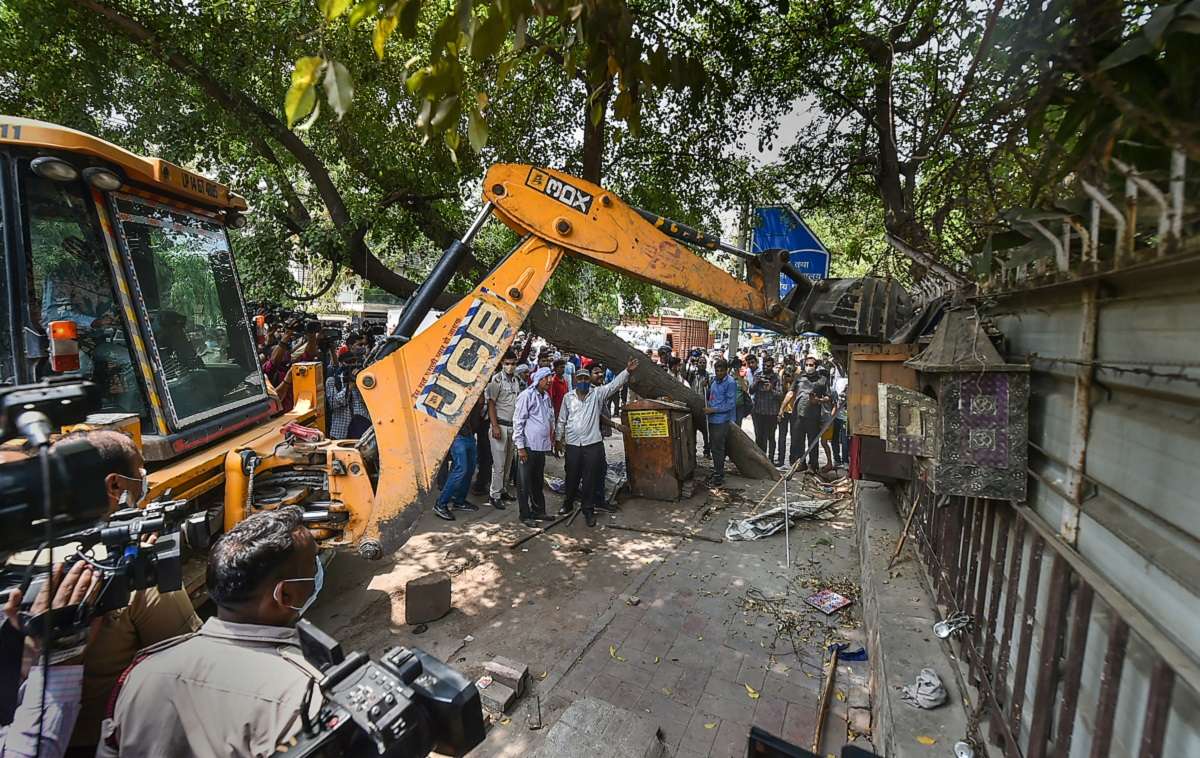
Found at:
(660, 450)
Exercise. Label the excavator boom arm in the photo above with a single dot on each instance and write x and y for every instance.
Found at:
(422, 386)
(592, 223)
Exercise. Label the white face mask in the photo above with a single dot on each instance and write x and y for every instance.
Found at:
(318, 581)
(143, 492)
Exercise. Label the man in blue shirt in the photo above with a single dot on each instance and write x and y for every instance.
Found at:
(722, 404)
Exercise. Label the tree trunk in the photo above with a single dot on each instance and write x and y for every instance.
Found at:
(570, 332)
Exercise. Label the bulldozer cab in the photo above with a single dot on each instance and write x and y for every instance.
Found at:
(118, 269)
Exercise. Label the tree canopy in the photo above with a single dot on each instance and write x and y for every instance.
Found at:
(905, 128)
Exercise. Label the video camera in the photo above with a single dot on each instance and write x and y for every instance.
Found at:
(406, 704)
(58, 498)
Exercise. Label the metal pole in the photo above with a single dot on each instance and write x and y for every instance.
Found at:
(787, 534)
(422, 300)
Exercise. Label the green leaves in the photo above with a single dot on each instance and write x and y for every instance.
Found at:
(339, 88)
(331, 9)
(477, 128)
(488, 37)
(301, 99)
(383, 30)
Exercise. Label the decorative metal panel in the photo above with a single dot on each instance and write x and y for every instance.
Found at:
(911, 420)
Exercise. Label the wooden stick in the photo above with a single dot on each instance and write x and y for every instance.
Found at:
(903, 533)
(823, 710)
(796, 464)
(542, 530)
(664, 532)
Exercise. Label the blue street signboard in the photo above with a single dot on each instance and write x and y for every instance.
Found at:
(781, 227)
(778, 226)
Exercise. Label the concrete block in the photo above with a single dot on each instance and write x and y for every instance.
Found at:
(496, 697)
(427, 598)
(509, 673)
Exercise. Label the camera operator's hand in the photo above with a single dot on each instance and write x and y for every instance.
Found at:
(72, 588)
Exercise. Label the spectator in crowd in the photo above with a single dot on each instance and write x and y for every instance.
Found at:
(601, 376)
(786, 415)
(558, 385)
(765, 411)
(664, 355)
(349, 418)
(278, 370)
(501, 395)
(309, 347)
(263, 574)
(841, 439)
(578, 429)
(721, 409)
(675, 369)
(462, 457)
(744, 402)
(533, 430)
(808, 392)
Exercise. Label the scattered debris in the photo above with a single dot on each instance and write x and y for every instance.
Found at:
(483, 682)
(753, 693)
(420, 628)
(510, 673)
(827, 601)
(926, 692)
(469, 638)
(632, 600)
(612, 653)
(926, 740)
(770, 522)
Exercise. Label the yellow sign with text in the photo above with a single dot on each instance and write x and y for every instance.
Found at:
(648, 424)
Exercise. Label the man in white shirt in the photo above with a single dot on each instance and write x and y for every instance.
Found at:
(579, 430)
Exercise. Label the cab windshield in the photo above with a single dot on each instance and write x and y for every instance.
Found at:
(68, 278)
(188, 292)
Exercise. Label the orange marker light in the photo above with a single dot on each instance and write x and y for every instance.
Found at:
(64, 346)
(64, 330)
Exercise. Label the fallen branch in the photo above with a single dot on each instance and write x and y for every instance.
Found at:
(664, 532)
(544, 529)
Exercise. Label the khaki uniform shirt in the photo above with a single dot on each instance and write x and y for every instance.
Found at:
(227, 691)
(150, 618)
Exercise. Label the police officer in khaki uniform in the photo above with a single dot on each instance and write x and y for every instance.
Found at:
(234, 688)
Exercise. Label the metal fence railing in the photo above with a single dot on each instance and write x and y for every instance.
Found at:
(1035, 606)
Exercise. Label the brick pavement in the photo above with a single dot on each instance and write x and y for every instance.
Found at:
(686, 652)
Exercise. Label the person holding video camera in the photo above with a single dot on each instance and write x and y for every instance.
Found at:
(348, 414)
(150, 617)
(235, 687)
(48, 703)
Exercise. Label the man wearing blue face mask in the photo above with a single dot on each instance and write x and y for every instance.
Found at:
(579, 430)
(236, 687)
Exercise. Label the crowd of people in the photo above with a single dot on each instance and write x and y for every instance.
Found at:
(786, 398)
(540, 402)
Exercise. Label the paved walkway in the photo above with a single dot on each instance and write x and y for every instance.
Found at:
(698, 655)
